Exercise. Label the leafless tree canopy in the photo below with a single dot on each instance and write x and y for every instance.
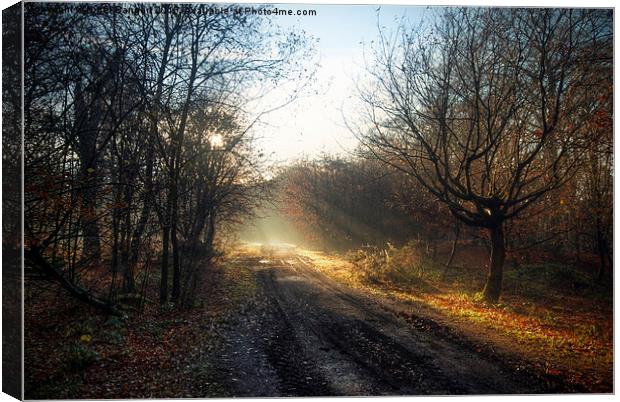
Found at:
(490, 109)
(140, 140)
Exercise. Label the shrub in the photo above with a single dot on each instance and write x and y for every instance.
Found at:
(407, 265)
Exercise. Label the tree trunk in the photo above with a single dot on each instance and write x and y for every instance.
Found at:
(145, 213)
(600, 243)
(153, 132)
(176, 265)
(163, 285)
(210, 237)
(577, 247)
(87, 123)
(173, 216)
(174, 190)
(128, 284)
(493, 287)
(610, 260)
(34, 257)
(457, 230)
(115, 246)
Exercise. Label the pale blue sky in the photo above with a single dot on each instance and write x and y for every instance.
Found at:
(314, 124)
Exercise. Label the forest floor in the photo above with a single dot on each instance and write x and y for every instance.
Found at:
(71, 351)
(291, 324)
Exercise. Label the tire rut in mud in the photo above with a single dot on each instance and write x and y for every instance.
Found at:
(260, 354)
(392, 364)
(395, 370)
(310, 337)
(298, 374)
(535, 383)
(398, 361)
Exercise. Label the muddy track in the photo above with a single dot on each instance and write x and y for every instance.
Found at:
(304, 335)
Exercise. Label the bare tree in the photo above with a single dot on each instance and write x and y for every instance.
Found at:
(215, 52)
(120, 109)
(487, 109)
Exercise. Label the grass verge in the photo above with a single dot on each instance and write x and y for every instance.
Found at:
(553, 316)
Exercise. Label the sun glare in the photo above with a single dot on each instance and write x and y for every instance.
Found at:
(216, 140)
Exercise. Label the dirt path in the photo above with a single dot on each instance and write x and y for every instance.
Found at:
(305, 335)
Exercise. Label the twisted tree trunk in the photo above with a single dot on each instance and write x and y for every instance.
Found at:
(493, 287)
